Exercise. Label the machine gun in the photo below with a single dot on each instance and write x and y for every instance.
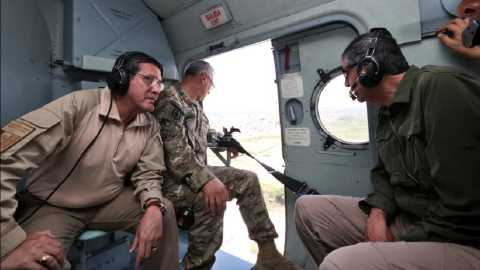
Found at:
(218, 144)
(228, 142)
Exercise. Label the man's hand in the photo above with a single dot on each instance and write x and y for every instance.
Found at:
(235, 147)
(29, 254)
(149, 232)
(215, 194)
(376, 229)
(457, 26)
(234, 152)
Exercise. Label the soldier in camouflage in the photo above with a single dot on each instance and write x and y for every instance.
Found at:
(184, 130)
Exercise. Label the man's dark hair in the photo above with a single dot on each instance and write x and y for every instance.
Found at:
(387, 54)
(198, 67)
(133, 59)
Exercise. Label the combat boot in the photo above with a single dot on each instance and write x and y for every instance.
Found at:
(270, 259)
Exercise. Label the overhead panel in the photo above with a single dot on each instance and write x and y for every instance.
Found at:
(246, 14)
(98, 31)
(216, 16)
(167, 8)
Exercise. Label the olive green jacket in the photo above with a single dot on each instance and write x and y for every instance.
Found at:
(435, 114)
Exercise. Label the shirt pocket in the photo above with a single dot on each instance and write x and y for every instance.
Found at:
(190, 124)
(202, 138)
(386, 148)
(414, 149)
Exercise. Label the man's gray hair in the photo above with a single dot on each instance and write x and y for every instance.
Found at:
(388, 54)
(198, 67)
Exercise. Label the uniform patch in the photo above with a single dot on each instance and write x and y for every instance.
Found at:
(14, 132)
(176, 114)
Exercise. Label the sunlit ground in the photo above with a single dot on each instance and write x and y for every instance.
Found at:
(245, 82)
(235, 239)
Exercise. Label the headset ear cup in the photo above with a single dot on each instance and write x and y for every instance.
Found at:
(119, 80)
(373, 74)
(124, 82)
(111, 81)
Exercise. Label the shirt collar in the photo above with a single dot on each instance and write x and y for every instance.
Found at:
(105, 97)
(140, 121)
(402, 94)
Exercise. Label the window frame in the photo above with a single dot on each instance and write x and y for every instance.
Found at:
(328, 138)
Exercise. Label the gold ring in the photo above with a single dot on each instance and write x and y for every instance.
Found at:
(45, 258)
(154, 248)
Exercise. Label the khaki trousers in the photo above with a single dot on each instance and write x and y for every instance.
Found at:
(121, 214)
(332, 230)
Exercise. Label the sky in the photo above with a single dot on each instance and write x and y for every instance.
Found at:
(335, 96)
(244, 80)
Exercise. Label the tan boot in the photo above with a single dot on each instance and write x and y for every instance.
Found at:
(270, 259)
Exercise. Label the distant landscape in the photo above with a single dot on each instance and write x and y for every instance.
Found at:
(350, 125)
(346, 124)
(260, 136)
(251, 124)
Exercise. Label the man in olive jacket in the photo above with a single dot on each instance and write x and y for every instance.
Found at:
(424, 212)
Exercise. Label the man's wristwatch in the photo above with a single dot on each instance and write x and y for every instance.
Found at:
(157, 203)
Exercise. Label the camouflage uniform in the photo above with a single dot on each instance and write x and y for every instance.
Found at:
(184, 132)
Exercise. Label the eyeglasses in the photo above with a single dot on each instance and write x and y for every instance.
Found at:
(345, 71)
(213, 85)
(152, 81)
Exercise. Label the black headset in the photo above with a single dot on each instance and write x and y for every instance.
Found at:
(118, 80)
(369, 71)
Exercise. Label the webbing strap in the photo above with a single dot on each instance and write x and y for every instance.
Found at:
(294, 185)
(291, 183)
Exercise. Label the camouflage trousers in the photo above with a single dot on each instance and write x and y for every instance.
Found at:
(206, 235)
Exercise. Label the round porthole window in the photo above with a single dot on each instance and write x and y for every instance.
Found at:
(340, 117)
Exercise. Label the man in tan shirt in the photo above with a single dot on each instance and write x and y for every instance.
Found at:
(52, 139)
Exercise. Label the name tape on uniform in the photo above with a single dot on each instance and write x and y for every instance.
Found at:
(14, 132)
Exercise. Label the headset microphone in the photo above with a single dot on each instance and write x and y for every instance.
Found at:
(352, 91)
(471, 34)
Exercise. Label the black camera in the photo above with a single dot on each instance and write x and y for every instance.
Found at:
(185, 218)
(471, 35)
